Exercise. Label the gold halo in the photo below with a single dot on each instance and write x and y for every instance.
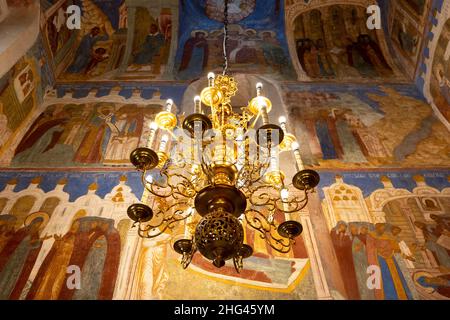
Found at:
(36, 215)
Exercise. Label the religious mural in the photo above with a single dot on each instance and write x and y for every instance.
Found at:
(91, 134)
(118, 40)
(440, 74)
(21, 91)
(354, 127)
(47, 224)
(396, 220)
(406, 24)
(256, 42)
(333, 42)
(57, 35)
(383, 156)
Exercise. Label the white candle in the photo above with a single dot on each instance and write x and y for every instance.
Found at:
(298, 158)
(169, 104)
(151, 136)
(211, 77)
(197, 104)
(282, 120)
(163, 143)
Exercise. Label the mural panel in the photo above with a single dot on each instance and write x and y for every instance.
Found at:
(352, 126)
(21, 91)
(333, 42)
(70, 220)
(91, 134)
(440, 74)
(256, 43)
(130, 40)
(397, 221)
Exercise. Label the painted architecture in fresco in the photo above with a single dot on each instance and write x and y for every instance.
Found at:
(367, 106)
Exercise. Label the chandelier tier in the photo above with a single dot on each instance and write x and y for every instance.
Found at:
(217, 176)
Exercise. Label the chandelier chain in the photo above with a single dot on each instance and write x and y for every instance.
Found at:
(225, 37)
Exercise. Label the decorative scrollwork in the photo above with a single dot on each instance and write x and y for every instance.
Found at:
(268, 231)
(165, 218)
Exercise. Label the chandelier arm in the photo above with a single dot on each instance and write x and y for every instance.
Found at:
(266, 229)
(191, 192)
(296, 203)
(150, 188)
(167, 222)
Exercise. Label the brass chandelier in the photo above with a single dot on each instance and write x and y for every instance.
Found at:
(217, 171)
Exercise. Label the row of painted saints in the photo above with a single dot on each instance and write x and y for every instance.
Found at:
(92, 134)
(334, 43)
(360, 245)
(91, 243)
(331, 43)
(95, 244)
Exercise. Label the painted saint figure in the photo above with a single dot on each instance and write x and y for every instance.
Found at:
(150, 48)
(52, 274)
(381, 249)
(359, 235)
(195, 56)
(84, 54)
(18, 257)
(343, 246)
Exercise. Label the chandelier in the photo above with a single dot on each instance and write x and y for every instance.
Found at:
(218, 173)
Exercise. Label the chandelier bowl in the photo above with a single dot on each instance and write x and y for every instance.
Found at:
(306, 179)
(223, 197)
(290, 229)
(144, 159)
(139, 212)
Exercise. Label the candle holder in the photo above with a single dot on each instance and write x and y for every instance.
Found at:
(306, 180)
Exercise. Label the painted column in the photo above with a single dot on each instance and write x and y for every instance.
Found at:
(318, 273)
(127, 265)
(325, 247)
(130, 38)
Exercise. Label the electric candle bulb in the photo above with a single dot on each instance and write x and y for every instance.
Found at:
(153, 126)
(197, 104)
(259, 87)
(297, 156)
(284, 194)
(274, 164)
(211, 77)
(163, 143)
(282, 120)
(169, 104)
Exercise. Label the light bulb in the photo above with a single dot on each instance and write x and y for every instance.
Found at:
(211, 76)
(295, 145)
(169, 104)
(284, 194)
(153, 125)
(259, 86)
(197, 99)
(282, 119)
